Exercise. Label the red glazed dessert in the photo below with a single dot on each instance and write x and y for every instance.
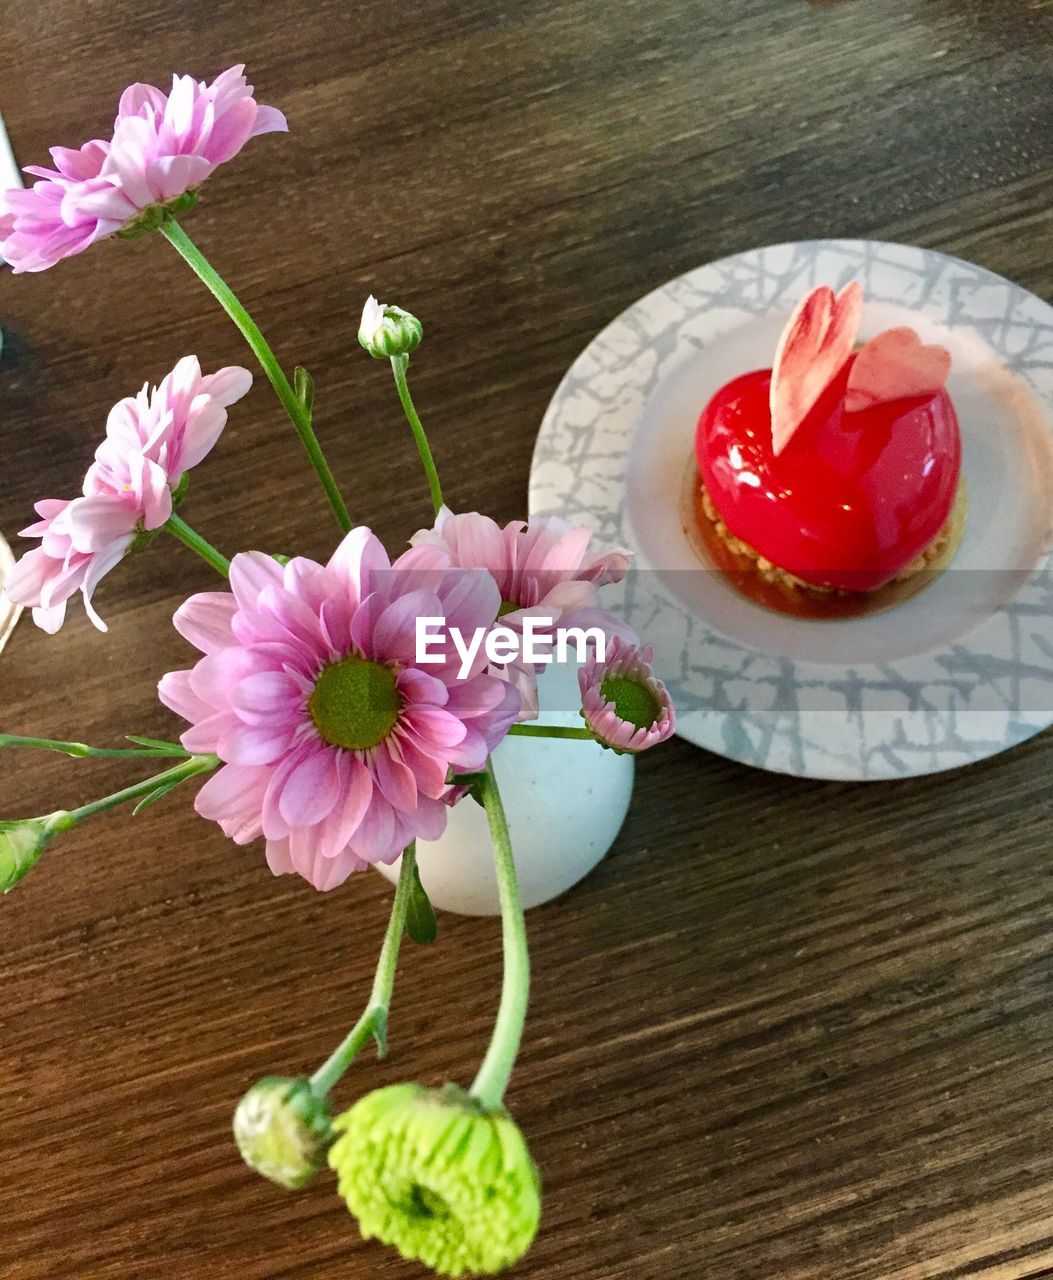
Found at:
(828, 478)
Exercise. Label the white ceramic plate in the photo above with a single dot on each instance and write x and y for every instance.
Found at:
(959, 672)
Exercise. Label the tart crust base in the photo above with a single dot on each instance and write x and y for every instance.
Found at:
(768, 584)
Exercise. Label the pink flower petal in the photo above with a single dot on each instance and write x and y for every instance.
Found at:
(204, 620)
(394, 636)
(356, 560)
(268, 698)
(311, 789)
(415, 686)
(232, 797)
(434, 726)
(430, 819)
(373, 839)
(393, 777)
(269, 120)
(279, 858)
(227, 385)
(175, 692)
(250, 572)
(96, 522)
(203, 736)
(356, 791)
(470, 599)
(216, 673)
(246, 744)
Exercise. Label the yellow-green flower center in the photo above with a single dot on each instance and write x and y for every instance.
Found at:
(355, 703)
(506, 608)
(635, 702)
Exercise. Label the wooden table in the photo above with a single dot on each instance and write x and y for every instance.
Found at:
(788, 1028)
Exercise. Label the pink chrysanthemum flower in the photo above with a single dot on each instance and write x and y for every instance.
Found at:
(544, 568)
(624, 704)
(337, 743)
(152, 440)
(163, 146)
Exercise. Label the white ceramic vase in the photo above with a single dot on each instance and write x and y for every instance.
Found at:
(565, 800)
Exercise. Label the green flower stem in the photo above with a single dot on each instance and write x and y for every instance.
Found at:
(492, 1079)
(82, 750)
(373, 1023)
(551, 731)
(398, 367)
(181, 530)
(298, 411)
(170, 778)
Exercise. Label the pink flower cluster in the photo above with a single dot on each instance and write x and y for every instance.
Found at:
(152, 440)
(339, 743)
(163, 146)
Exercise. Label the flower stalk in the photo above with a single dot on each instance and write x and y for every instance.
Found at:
(81, 750)
(493, 1076)
(297, 408)
(399, 364)
(149, 788)
(373, 1024)
(550, 731)
(179, 528)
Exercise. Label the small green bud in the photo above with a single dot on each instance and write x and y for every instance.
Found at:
(388, 331)
(282, 1128)
(23, 841)
(435, 1174)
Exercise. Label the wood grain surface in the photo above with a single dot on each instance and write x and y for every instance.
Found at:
(788, 1028)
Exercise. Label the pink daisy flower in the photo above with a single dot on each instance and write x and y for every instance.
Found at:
(624, 704)
(163, 146)
(337, 744)
(544, 568)
(152, 440)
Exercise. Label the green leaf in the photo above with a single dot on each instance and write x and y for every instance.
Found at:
(153, 796)
(303, 385)
(473, 781)
(168, 748)
(421, 924)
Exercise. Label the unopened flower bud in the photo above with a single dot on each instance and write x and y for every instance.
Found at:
(388, 331)
(625, 705)
(282, 1128)
(23, 841)
(445, 1181)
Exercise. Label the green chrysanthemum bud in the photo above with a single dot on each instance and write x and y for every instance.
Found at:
(23, 841)
(432, 1173)
(388, 331)
(282, 1128)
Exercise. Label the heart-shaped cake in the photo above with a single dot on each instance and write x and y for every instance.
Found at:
(861, 488)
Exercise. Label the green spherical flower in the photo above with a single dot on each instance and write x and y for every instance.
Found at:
(23, 841)
(282, 1128)
(432, 1173)
(388, 331)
